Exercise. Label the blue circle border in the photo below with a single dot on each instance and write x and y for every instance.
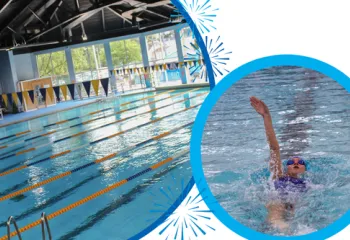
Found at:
(198, 128)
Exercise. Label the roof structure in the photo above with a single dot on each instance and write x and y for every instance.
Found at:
(31, 25)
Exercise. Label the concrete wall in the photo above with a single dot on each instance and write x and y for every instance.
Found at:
(7, 81)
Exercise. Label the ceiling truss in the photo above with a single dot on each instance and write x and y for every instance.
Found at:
(39, 21)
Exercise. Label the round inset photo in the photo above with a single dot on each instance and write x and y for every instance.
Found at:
(275, 151)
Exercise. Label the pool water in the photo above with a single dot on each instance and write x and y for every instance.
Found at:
(122, 212)
(311, 118)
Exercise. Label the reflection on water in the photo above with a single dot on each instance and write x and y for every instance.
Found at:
(310, 115)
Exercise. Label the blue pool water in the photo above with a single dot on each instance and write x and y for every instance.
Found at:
(311, 117)
(118, 214)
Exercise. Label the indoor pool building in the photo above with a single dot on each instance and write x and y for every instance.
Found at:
(97, 102)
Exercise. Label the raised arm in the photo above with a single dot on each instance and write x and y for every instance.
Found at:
(275, 157)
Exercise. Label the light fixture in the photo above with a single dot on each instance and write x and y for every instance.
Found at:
(83, 36)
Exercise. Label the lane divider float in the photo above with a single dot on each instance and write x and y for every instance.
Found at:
(85, 122)
(97, 161)
(92, 129)
(64, 121)
(89, 114)
(99, 193)
(13, 170)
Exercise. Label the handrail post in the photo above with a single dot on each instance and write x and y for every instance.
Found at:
(11, 219)
(44, 222)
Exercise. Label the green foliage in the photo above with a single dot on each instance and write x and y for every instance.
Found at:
(126, 52)
(123, 52)
(58, 65)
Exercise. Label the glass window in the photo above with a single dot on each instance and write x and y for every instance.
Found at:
(162, 49)
(89, 64)
(55, 65)
(126, 54)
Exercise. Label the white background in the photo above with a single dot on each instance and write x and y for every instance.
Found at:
(253, 29)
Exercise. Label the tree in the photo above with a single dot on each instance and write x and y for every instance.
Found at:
(126, 52)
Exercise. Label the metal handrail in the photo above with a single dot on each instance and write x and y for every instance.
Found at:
(44, 222)
(11, 219)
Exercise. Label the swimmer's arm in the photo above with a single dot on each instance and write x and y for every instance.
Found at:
(275, 156)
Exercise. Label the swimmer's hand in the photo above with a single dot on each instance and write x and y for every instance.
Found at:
(259, 106)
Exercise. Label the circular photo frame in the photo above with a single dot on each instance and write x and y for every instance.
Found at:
(202, 117)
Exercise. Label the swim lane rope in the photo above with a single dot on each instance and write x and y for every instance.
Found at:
(92, 129)
(87, 122)
(89, 114)
(90, 121)
(13, 170)
(65, 121)
(97, 161)
(99, 193)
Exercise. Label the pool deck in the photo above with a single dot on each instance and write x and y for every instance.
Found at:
(10, 119)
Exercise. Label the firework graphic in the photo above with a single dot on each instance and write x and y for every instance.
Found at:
(202, 14)
(189, 220)
(219, 56)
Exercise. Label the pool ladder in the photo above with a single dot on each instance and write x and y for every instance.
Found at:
(44, 222)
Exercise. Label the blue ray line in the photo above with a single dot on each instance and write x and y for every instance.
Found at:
(192, 217)
(194, 208)
(204, 217)
(193, 230)
(200, 229)
(188, 200)
(182, 231)
(210, 227)
(165, 194)
(203, 211)
(176, 221)
(201, 200)
(161, 232)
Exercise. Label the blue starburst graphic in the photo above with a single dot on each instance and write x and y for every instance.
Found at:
(188, 221)
(194, 53)
(202, 14)
(218, 55)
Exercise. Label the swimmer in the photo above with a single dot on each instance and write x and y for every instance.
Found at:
(285, 183)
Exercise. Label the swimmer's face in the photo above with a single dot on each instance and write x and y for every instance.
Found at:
(296, 168)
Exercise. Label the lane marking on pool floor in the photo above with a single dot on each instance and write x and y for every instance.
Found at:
(100, 192)
(13, 170)
(97, 161)
(93, 129)
(86, 115)
(88, 121)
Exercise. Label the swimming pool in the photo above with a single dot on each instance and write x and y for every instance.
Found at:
(310, 114)
(117, 214)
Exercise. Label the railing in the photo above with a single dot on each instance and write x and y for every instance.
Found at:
(11, 219)
(44, 222)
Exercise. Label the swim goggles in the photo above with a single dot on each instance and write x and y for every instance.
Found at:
(300, 162)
